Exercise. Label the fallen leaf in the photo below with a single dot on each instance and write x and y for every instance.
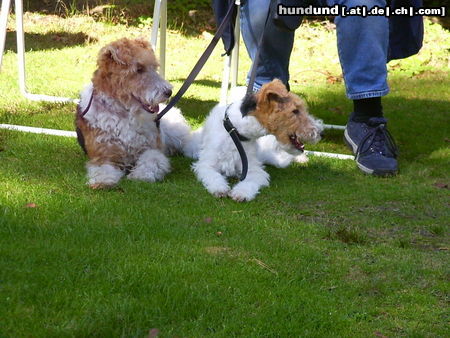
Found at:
(208, 220)
(153, 333)
(30, 205)
(337, 110)
(378, 334)
(219, 233)
(441, 185)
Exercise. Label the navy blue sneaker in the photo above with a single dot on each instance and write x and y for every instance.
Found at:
(374, 148)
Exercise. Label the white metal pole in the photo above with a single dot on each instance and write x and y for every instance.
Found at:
(235, 51)
(162, 39)
(225, 80)
(6, 4)
(20, 35)
(35, 130)
(155, 24)
(333, 126)
(330, 155)
(66, 133)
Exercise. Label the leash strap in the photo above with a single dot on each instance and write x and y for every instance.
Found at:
(237, 138)
(88, 106)
(200, 63)
(230, 128)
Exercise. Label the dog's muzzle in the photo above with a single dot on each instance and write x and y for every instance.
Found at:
(296, 143)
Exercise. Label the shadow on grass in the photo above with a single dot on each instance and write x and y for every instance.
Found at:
(419, 126)
(53, 161)
(187, 18)
(195, 108)
(203, 82)
(419, 135)
(51, 40)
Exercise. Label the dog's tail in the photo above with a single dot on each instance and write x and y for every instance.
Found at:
(177, 135)
(192, 147)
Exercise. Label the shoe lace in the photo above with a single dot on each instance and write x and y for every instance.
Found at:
(377, 139)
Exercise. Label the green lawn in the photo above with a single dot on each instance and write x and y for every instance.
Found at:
(325, 251)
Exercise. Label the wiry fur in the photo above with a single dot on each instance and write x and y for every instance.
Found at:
(118, 132)
(275, 118)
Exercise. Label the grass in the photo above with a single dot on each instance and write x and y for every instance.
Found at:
(324, 251)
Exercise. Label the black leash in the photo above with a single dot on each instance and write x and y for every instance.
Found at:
(200, 63)
(88, 105)
(235, 136)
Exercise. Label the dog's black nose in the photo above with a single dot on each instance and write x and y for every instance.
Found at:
(168, 92)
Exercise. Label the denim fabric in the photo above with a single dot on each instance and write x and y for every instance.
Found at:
(362, 46)
(277, 47)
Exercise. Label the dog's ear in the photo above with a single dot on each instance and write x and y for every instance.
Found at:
(273, 91)
(119, 51)
(248, 104)
(143, 43)
(116, 54)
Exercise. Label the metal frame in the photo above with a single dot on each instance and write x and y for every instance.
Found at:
(20, 36)
(160, 23)
(231, 62)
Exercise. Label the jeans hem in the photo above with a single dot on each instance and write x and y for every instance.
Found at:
(367, 95)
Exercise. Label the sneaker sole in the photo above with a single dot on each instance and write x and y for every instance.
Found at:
(379, 173)
(353, 147)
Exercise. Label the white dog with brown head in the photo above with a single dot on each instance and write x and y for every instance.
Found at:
(275, 123)
(116, 117)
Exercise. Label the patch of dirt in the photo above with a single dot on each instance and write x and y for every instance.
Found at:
(216, 250)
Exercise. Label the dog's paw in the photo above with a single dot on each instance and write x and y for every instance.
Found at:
(104, 176)
(152, 166)
(302, 158)
(220, 191)
(221, 194)
(146, 176)
(241, 193)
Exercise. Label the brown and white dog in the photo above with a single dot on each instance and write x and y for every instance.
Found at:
(274, 123)
(115, 119)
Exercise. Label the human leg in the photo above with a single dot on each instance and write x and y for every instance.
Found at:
(277, 44)
(363, 47)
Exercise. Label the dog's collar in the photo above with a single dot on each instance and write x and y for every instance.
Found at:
(230, 128)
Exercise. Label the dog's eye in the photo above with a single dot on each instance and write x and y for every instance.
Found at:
(140, 68)
(296, 112)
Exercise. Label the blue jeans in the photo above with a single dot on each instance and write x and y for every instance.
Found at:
(362, 47)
